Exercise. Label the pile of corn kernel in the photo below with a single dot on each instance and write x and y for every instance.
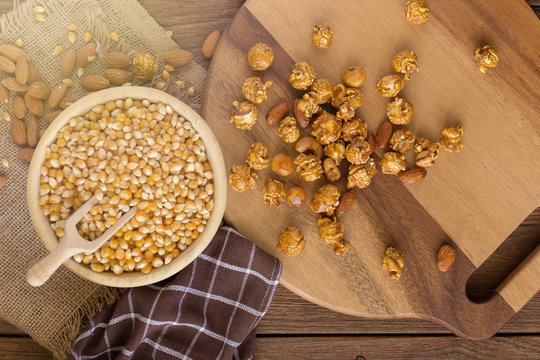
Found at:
(129, 153)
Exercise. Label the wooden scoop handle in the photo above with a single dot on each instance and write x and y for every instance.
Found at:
(38, 274)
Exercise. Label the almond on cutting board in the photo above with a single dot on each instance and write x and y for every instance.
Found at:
(21, 70)
(33, 74)
(7, 65)
(370, 139)
(117, 60)
(56, 95)
(178, 57)
(383, 133)
(412, 176)
(446, 257)
(346, 201)
(67, 101)
(52, 115)
(68, 63)
(32, 131)
(4, 94)
(12, 52)
(301, 118)
(35, 106)
(12, 84)
(26, 154)
(39, 90)
(3, 181)
(118, 76)
(18, 131)
(278, 112)
(94, 82)
(210, 43)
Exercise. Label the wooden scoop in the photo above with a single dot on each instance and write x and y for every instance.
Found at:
(72, 243)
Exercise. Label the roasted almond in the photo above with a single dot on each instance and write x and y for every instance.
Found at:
(118, 76)
(87, 54)
(383, 133)
(3, 181)
(94, 82)
(32, 131)
(278, 112)
(68, 63)
(4, 94)
(26, 154)
(178, 57)
(12, 52)
(18, 131)
(371, 141)
(21, 70)
(19, 107)
(446, 257)
(7, 65)
(56, 95)
(67, 101)
(39, 90)
(210, 43)
(33, 74)
(34, 105)
(117, 60)
(346, 201)
(51, 116)
(412, 176)
(301, 118)
(12, 84)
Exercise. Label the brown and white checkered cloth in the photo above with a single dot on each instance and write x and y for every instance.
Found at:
(207, 311)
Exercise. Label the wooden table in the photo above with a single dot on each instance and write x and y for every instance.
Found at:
(295, 328)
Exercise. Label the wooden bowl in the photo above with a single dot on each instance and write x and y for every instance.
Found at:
(130, 279)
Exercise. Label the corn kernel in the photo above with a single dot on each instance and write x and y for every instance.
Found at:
(191, 91)
(180, 84)
(72, 27)
(169, 68)
(68, 82)
(72, 37)
(113, 36)
(39, 17)
(87, 36)
(169, 33)
(19, 43)
(57, 50)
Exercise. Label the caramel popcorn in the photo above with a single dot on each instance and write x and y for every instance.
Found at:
(241, 178)
(288, 130)
(302, 76)
(335, 151)
(400, 111)
(346, 111)
(325, 199)
(260, 56)
(322, 36)
(326, 128)
(360, 175)
(308, 106)
(257, 156)
(338, 96)
(486, 57)
(254, 90)
(357, 152)
(244, 115)
(393, 262)
(417, 11)
(308, 167)
(420, 144)
(452, 138)
(340, 248)
(390, 85)
(291, 241)
(402, 141)
(321, 91)
(330, 229)
(354, 76)
(405, 62)
(353, 96)
(427, 157)
(392, 163)
(354, 128)
(274, 193)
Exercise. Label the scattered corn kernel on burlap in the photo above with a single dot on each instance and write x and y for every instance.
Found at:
(53, 314)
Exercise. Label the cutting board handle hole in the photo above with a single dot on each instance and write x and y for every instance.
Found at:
(484, 280)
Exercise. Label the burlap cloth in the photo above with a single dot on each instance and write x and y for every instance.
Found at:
(53, 314)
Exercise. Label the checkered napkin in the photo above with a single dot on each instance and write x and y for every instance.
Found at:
(207, 311)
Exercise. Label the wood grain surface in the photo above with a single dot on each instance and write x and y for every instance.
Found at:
(290, 316)
(468, 199)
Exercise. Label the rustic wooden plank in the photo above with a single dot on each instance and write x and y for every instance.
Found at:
(22, 348)
(394, 347)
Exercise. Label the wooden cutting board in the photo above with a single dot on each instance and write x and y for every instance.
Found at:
(472, 200)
